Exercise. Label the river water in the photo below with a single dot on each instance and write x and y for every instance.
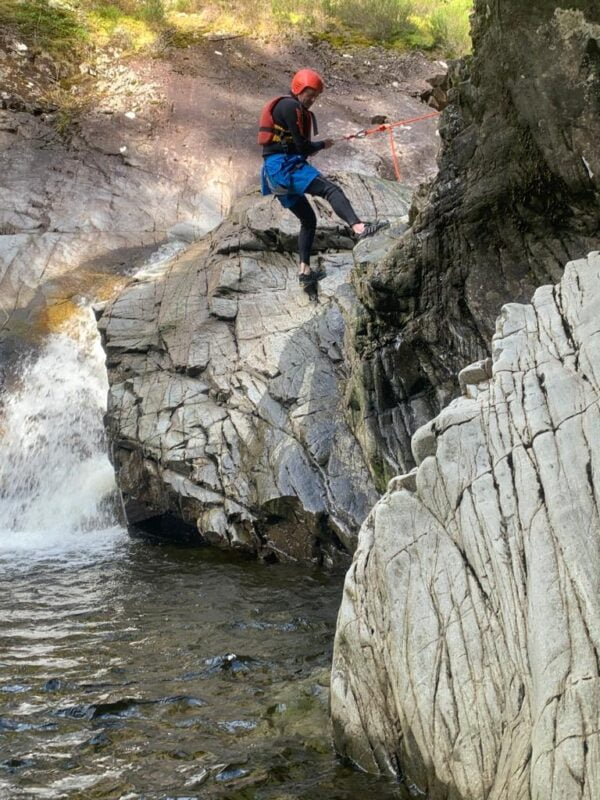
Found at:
(136, 670)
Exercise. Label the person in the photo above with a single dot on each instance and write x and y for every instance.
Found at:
(285, 133)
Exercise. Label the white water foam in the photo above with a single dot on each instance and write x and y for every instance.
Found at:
(56, 482)
(57, 487)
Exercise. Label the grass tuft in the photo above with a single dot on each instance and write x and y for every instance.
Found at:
(52, 27)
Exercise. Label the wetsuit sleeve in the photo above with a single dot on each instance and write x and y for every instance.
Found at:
(288, 110)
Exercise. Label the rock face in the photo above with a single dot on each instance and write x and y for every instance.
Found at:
(162, 141)
(67, 207)
(467, 651)
(515, 199)
(226, 407)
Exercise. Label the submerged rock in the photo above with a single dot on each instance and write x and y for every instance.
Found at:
(466, 656)
(226, 407)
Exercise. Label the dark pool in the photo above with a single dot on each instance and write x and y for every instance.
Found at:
(131, 670)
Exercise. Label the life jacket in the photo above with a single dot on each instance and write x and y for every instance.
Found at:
(269, 132)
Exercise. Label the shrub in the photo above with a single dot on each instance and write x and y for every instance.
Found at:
(150, 11)
(382, 20)
(450, 26)
(64, 25)
(131, 25)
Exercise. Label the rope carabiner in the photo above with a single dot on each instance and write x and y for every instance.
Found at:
(358, 135)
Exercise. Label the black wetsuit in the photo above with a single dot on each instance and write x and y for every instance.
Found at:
(290, 114)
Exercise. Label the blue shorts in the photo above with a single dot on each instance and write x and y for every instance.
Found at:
(287, 177)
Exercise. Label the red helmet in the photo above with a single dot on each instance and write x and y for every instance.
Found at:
(307, 79)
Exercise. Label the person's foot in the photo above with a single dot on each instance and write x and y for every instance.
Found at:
(312, 276)
(369, 228)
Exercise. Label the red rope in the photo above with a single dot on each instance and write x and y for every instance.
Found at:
(389, 127)
(394, 156)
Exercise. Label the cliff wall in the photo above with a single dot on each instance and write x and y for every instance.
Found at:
(516, 197)
(466, 657)
(227, 410)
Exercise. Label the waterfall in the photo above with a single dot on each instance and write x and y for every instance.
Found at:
(56, 481)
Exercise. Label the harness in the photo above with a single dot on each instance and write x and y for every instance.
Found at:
(270, 132)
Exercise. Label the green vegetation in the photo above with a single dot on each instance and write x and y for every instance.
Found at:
(57, 28)
(382, 20)
(439, 25)
(449, 25)
(68, 27)
(130, 25)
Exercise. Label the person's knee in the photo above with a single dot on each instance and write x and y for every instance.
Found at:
(309, 220)
(321, 187)
(335, 193)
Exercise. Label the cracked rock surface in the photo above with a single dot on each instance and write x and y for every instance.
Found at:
(466, 657)
(226, 406)
(165, 142)
(516, 198)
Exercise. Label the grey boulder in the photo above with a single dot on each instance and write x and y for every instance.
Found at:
(466, 654)
(227, 409)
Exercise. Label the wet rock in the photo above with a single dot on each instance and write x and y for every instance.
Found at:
(238, 726)
(101, 739)
(181, 755)
(199, 779)
(125, 707)
(14, 764)
(227, 406)
(230, 663)
(465, 658)
(15, 725)
(183, 701)
(231, 773)
(83, 711)
(53, 685)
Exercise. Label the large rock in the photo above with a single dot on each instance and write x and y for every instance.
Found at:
(90, 187)
(467, 650)
(226, 407)
(517, 196)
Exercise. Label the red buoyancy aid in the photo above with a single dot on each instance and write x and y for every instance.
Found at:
(269, 131)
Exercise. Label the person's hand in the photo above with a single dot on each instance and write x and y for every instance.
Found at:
(328, 143)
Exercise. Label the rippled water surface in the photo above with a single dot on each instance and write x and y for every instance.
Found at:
(130, 670)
